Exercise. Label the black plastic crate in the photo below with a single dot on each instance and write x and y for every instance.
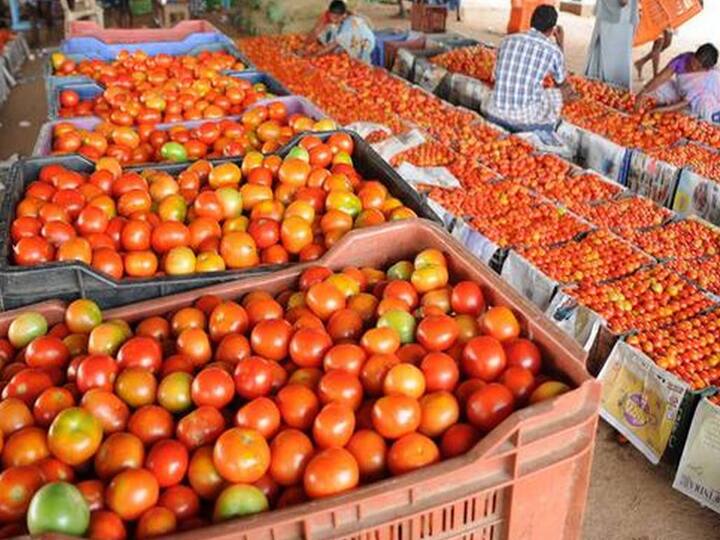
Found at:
(20, 286)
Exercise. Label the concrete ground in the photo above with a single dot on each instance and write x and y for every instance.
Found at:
(629, 499)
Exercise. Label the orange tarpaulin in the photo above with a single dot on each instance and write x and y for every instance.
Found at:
(657, 15)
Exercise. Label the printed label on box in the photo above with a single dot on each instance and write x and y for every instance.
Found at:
(527, 279)
(602, 155)
(434, 176)
(697, 196)
(640, 399)
(428, 76)
(698, 475)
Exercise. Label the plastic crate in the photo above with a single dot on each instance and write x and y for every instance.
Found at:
(92, 90)
(183, 29)
(294, 104)
(659, 15)
(172, 48)
(24, 285)
(108, 51)
(528, 478)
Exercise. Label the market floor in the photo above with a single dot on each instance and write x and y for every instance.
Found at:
(629, 499)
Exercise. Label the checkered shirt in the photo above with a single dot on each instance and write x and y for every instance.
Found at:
(523, 61)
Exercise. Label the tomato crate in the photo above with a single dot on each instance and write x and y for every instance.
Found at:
(427, 18)
(44, 143)
(68, 280)
(91, 90)
(527, 478)
(109, 36)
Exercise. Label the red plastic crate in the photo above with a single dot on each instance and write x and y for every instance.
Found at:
(528, 478)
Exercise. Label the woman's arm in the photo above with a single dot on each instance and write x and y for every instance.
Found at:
(673, 107)
(315, 32)
(664, 76)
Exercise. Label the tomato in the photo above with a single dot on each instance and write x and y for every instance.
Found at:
(132, 492)
(227, 318)
(404, 380)
(501, 323)
(17, 487)
(96, 371)
(58, 507)
(74, 436)
(181, 500)
(202, 474)
(412, 452)
(370, 452)
(271, 339)
(151, 423)
(195, 344)
(174, 392)
(27, 385)
(50, 403)
(253, 377)
(347, 357)
(140, 351)
(54, 470)
(298, 406)
(308, 347)
(458, 439)
(334, 425)
(109, 262)
(232, 349)
(395, 416)
(47, 352)
(330, 472)
(523, 353)
(338, 386)
(483, 357)
(467, 299)
(25, 328)
(261, 414)
(168, 461)
(441, 372)
(437, 332)
(106, 525)
(212, 386)
(93, 491)
(290, 452)
(14, 415)
(239, 250)
(110, 410)
(489, 406)
(241, 455)
(381, 341)
(118, 452)
(324, 299)
(344, 325)
(519, 381)
(439, 411)
(239, 500)
(188, 318)
(202, 426)
(373, 372)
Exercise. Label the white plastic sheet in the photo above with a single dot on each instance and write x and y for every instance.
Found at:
(434, 176)
(579, 322)
(528, 280)
(392, 146)
(477, 243)
(652, 178)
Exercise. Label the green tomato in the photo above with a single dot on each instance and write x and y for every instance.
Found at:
(26, 327)
(173, 151)
(239, 500)
(345, 201)
(174, 392)
(58, 507)
(299, 153)
(401, 321)
(400, 270)
(342, 157)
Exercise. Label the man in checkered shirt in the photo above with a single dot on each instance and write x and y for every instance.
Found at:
(519, 101)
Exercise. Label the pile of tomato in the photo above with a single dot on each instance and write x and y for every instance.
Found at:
(208, 218)
(192, 99)
(264, 127)
(224, 408)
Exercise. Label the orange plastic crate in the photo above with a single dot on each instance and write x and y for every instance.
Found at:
(528, 478)
(658, 15)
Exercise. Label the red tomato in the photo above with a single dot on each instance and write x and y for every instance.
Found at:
(523, 353)
(168, 461)
(467, 299)
(253, 377)
(483, 357)
(520, 382)
(290, 452)
(330, 472)
(212, 386)
(489, 406)
(140, 351)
